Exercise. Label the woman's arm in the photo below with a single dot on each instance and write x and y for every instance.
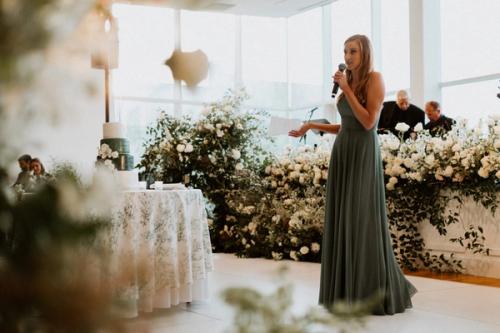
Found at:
(330, 128)
(368, 115)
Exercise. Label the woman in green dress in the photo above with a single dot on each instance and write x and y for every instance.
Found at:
(357, 260)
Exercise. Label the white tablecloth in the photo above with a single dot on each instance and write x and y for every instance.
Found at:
(160, 249)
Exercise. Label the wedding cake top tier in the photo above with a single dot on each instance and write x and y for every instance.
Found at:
(113, 131)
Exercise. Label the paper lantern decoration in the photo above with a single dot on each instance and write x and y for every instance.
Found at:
(190, 67)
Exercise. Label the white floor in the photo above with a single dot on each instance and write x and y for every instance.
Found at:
(439, 306)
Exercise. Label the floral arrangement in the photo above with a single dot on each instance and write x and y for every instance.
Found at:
(462, 155)
(219, 153)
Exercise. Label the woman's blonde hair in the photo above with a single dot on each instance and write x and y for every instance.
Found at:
(365, 68)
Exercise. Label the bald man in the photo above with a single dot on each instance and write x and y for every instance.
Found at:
(400, 111)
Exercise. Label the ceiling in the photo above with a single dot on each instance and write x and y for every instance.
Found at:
(271, 8)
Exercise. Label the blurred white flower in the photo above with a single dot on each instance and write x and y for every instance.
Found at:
(238, 166)
(235, 154)
(402, 127)
(293, 255)
(189, 148)
(315, 247)
(277, 255)
(220, 133)
(304, 250)
(180, 148)
(418, 127)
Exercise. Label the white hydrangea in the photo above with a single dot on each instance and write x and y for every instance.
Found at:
(304, 250)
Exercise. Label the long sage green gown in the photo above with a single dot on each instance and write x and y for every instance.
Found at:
(357, 260)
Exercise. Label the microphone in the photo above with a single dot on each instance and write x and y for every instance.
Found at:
(311, 112)
(335, 89)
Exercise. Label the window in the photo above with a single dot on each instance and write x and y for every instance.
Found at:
(472, 101)
(145, 42)
(264, 61)
(470, 37)
(395, 34)
(305, 54)
(348, 18)
(214, 34)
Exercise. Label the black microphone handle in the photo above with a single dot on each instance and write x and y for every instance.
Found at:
(335, 89)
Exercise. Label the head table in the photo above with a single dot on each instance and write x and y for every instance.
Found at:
(159, 249)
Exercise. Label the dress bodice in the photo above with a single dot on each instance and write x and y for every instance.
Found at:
(349, 120)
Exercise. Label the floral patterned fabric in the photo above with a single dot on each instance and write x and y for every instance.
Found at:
(160, 247)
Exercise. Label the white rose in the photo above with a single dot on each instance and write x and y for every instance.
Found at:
(448, 171)
(483, 173)
(235, 153)
(418, 127)
(277, 255)
(180, 148)
(402, 127)
(429, 160)
(220, 133)
(189, 148)
(389, 186)
(114, 154)
(315, 247)
(238, 166)
(294, 240)
(304, 250)
(239, 126)
(393, 180)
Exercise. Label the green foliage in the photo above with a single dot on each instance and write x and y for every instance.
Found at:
(65, 171)
(260, 313)
(43, 252)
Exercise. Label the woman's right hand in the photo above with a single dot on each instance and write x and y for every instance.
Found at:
(300, 132)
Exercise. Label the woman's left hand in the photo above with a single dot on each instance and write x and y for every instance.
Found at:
(299, 132)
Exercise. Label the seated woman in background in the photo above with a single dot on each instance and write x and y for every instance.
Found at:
(39, 174)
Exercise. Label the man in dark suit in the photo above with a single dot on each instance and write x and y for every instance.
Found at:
(438, 123)
(400, 111)
(24, 176)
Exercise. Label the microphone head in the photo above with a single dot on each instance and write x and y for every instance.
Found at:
(342, 67)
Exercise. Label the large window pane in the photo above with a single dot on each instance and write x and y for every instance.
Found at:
(305, 57)
(395, 44)
(264, 61)
(471, 101)
(145, 40)
(349, 17)
(214, 34)
(470, 37)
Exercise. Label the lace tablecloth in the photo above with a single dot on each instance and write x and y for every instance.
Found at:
(160, 249)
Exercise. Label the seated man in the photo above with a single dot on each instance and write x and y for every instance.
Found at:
(400, 111)
(24, 176)
(438, 123)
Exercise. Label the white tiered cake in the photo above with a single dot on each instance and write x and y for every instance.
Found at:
(114, 151)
